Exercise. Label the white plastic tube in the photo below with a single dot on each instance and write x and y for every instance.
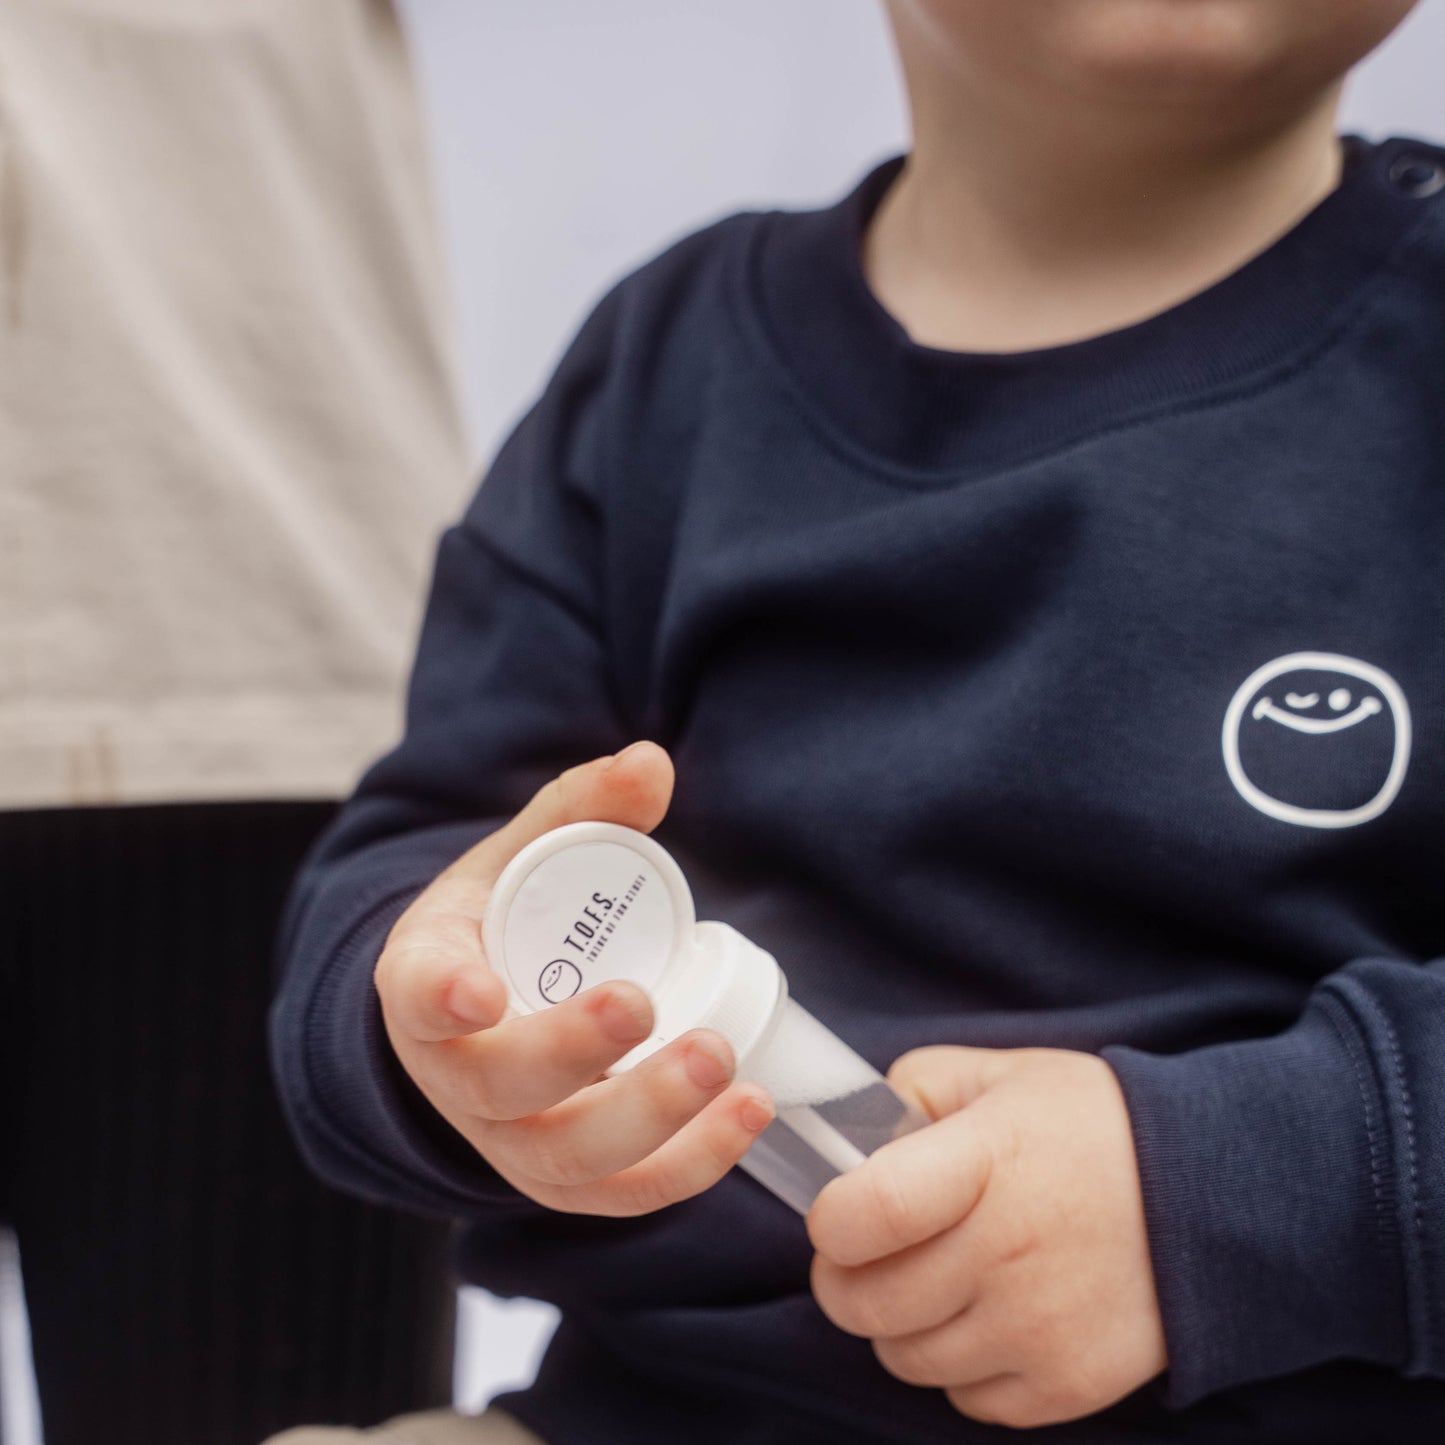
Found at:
(594, 901)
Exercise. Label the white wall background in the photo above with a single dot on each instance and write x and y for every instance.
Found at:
(574, 138)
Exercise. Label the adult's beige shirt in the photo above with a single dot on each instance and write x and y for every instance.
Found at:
(228, 430)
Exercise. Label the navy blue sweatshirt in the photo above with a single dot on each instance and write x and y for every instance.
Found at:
(1090, 698)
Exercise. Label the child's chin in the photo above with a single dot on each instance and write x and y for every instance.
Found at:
(1182, 51)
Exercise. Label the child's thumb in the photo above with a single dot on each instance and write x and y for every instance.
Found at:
(633, 788)
(943, 1079)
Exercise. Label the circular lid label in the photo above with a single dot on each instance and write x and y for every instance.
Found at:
(586, 914)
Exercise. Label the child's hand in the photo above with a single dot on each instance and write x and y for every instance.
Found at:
(526, 1092)
(999, 1253)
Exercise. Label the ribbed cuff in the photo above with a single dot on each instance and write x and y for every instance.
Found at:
(359, 1120)
(1269, 1193)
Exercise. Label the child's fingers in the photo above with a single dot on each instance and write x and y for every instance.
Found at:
(694, 1159)
(915, 1289)
(945, 1078)
(1007, 1398)
(534, 1061)
(429, 994)
(632, 788)
(909, 1191)
(617, 1123)
(970, 1346)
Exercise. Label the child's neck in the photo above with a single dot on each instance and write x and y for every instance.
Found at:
(1000, 237)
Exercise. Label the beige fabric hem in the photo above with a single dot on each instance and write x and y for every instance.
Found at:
(435, 1427)
(237, 748)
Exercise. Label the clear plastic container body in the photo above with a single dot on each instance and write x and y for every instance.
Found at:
(834, 1108)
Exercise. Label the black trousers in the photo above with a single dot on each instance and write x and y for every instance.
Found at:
(188, 1282)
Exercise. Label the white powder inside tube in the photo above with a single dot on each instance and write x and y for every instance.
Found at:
(804, 1063)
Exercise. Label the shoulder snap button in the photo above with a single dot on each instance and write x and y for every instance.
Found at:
(1417, 177)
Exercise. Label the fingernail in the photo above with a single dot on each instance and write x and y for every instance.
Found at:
(754, 1114)
(706, 1067)
(626, 1022)
(629, 749)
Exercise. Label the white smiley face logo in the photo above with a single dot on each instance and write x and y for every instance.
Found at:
(1318, 740)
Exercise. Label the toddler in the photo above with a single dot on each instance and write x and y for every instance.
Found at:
(1029, 574)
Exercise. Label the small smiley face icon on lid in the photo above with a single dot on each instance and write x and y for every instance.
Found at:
(560, 980)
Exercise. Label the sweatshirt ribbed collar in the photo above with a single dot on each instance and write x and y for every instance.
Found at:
(930, 410)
